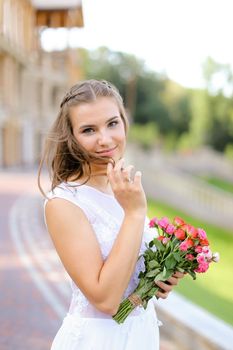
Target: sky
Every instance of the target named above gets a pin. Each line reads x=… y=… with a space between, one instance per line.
x=172 y=36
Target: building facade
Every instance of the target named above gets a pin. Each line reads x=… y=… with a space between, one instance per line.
x=32 y=81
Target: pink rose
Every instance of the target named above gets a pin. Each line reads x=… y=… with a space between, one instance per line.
x=184 y=246
x=198 y=249
x=207 y=252
x=153 y=222
x=189 y=257
x=203 y=267
x=201 y=234
x=201 y=258
x=163 y=222
x=170 y=229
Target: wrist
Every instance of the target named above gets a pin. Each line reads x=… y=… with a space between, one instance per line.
x=136 y=214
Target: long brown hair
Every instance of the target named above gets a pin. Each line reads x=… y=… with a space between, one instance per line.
x=64 y=156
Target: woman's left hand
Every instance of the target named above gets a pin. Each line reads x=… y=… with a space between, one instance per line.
x=167 y=286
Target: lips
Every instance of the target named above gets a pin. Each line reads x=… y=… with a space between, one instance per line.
x=107 y=151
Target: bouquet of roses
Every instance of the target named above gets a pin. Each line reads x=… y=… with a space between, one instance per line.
x=177 y=247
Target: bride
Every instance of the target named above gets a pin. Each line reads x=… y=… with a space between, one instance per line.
x=96 y=216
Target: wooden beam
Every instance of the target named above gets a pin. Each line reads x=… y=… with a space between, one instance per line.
x=59 y=18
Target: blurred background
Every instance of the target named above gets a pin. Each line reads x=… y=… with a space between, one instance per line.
x=172 y=62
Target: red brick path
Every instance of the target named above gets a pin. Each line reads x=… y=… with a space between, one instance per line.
x=27 y=321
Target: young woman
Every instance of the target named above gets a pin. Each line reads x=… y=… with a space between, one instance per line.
x=96 y=216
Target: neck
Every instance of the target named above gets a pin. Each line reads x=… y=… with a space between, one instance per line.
x=98 y=179
x=101 y=183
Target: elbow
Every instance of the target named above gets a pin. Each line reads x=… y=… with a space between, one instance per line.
x=107 y=308
x=111 y=311
x=106 y=303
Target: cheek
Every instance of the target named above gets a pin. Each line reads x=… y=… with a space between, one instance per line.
x=86 y=142
x=122 y=137
x=120 y=134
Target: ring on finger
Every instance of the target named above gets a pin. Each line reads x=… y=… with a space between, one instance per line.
x=127 y=179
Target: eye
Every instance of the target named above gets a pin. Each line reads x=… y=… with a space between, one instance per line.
x=88 y=131
x=114 y=123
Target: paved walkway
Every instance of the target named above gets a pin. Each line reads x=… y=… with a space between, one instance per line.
x=35 y=291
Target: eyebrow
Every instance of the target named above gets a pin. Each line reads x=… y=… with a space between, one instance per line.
x=93 y=125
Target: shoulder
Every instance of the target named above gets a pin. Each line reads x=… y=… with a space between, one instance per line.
x=65 y=197
x=74 y=194
x=61 y=209
x=64 y=218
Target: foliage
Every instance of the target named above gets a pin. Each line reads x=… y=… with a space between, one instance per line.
x=229 y=151
x=185 y=118
x=146 y=135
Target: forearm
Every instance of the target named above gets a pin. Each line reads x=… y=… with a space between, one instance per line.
x=120 y=264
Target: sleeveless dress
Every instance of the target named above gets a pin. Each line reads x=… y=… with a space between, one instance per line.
x=85 y=327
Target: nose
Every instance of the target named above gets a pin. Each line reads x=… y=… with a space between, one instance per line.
x=104 y=138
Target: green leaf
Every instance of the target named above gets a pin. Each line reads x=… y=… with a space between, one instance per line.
x=152 y=292
x=164 y=270
x=192 y=274
x=141 y=283
x=159 y=277
x=149 y=254
x=152 y=273
x=168 y=274
x=158 y=244
x=141 y=274
x=179 y=269
x=153 y=263
x=144 y=289
x=151 y=244
x=170 y=262
x=177 y=256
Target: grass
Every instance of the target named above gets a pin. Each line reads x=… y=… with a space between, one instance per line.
x=222 y=184
x=212 y=290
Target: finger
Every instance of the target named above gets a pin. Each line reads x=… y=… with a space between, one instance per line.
x=137 y=178
x=165 y=287
x=126 y=173
x=109 y=168
x=178 y=274
x=119 y=164
x=173 y=281
x=161 y=295
x=110 y=174
x=117 y=170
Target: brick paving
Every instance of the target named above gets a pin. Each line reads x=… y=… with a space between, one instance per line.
x=34 y=288
x=27 y=321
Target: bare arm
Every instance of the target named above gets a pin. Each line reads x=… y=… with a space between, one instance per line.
x=103 y=283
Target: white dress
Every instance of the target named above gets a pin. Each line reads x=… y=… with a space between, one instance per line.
x=85 y=327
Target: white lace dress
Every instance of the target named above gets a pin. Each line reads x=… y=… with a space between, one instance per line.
x=84 y=327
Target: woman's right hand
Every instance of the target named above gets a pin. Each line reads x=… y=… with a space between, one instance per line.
x=127 y=189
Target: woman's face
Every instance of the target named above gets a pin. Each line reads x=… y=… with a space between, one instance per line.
x=99 y=128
